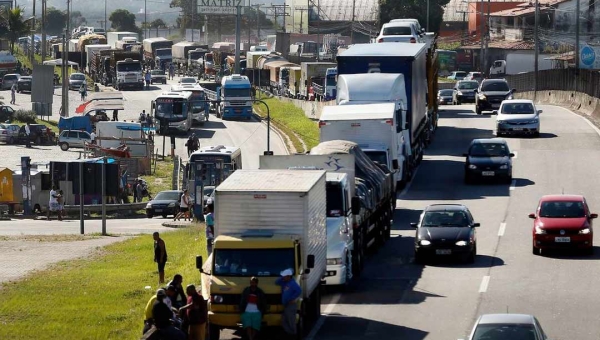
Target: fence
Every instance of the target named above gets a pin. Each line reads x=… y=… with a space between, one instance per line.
x=558 y=80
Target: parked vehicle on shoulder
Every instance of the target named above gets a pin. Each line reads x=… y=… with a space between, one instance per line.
x=8 y=80
x=491 y=93
x=39 y=134
x=9 y=133
x=24 y=84
x=165 y=203
x=73 y=139
x=507 y=327
x=445 y=230
x=518 y=116
x=7 y=113
x=488 y=159
x=563 y=221
x=464 y=91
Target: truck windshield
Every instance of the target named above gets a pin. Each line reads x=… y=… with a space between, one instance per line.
x=237 y=92
x=129 y=67
x=162 y=53
x=208 y=57
x=252 y=262
x=335 y=200
x=331 y=80
x=377 y=156
x=171 y=108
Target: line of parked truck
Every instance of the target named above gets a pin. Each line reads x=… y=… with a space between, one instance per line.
x=319 y=214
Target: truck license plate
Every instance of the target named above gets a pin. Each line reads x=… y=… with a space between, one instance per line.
x=562 y=239
x=443 y=251
x=487 y=173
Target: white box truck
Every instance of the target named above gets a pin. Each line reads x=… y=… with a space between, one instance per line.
x=266 y=221
x=113 y=37
x=374 y=127
x=89 y=52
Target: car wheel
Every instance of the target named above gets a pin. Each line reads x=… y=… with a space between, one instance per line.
x=64 y=146
x=508 y=180
x=536 y=134
x=149 y=215
x=472 y=256
x=164 y=215
x=478 y=110
x=536 y=251
x=589 y=251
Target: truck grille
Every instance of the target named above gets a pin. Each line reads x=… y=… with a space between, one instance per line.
x=234 y=299
x=238 y=103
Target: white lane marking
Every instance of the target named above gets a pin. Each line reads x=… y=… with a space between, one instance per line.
x=414 y=176
x=334 y=300
x=502 y=229
x=516 y=154
x=513 y=184
x=484 y=284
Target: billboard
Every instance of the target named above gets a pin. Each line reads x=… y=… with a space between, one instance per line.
x=589 y=57
x=219 y=6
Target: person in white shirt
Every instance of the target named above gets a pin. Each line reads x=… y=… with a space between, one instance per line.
x=93 y=137
x=53 y=205
x=184 y=207
x=28 y=134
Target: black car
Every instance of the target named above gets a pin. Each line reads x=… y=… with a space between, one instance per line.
x=464 y=92
x=488 y=158
x=38 y=134
x=491 y=93
x=445 y=230
x=444 y=97
x=24 y=84
x=165 y=203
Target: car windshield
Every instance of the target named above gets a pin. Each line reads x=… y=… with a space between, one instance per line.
x=488 y=150
x=505 y=332
x=237 y=92
x=495 y=86
x=397 y=30
x=445 y=92
x=335 y=203
x=460 y=74
x=129 y=67
x=562 y=209
x=77 y=77
x=10 y=77
x=188 y=80
x=167 y=196
x=468 y=85
x=208 y=191
x=252 y=262
x=517 y=108
x=445 y=219
x=476 y=75
x=377 y=156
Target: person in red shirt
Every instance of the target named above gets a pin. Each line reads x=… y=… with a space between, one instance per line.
x=253 y=306
x=197 y=314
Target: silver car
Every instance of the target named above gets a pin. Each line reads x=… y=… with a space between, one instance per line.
x=75 y=81
x=73 y=139
x=507 y=327
x=9 y=133
x=9 y=79
x=518 y=116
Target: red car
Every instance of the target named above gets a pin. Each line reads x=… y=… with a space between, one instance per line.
x=563 y=221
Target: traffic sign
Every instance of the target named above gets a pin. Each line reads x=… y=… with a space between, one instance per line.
x=219 y=6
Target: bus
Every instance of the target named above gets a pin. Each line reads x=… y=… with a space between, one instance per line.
x=200 y=104
x=209 y=167
x=172 y=111
x=446 y=62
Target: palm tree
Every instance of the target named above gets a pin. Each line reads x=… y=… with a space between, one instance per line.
x=16 y=26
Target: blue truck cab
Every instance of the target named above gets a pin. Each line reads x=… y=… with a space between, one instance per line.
x=236 y=97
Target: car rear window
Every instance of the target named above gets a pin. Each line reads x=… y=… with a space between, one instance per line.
x=445 y=92
x=562 y=209
x=397 y=30
x=460 y=74
x=10 y=77
x=505 y=331
x=468 y=85
x=495 y=86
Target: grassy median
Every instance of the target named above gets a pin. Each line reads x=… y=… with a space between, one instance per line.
x=99 y=297
x=292 y=121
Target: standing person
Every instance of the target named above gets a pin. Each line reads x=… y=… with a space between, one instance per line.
x=253 y=306
x=139 y=191
x=61 y=202
x=93 y=137
x=197 y=314
x=190 y=145
x=53 y=205
x=13 y=93
x=116 y=115
x=184 y=207
x=171 y=71
x=28 y=135
x=290 y=292
x=160 y=256
x=148 y=80
x=180 y=297
x=209 y=219
x=83 y=91
x=196 y=142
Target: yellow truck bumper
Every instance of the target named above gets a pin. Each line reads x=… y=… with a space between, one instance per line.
x=232 y=320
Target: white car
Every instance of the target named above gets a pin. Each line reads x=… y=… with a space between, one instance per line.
x=187 y=80
x=399 y=32
x=414 y=21
x=518 y=116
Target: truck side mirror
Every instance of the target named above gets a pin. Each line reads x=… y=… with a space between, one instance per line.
x=310 y=261
x=355 y=201
x=395 y=164
x=153 y=104
x=199 y=262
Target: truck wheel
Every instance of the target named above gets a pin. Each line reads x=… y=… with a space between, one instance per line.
x=349 y=266
x=214 y=332
x=358 y=255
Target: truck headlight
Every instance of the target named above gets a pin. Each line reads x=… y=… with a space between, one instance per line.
x=333 y=262
x=216 y=299
x=462 y=243
x=425 y=242
x=539 y=231
x=472 y=166
x=171 y=205
x=585 y=231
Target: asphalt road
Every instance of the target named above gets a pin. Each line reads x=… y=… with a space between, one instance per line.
x=397 y=299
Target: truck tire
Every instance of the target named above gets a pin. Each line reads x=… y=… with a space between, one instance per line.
x=214 y=332
x=358 y=255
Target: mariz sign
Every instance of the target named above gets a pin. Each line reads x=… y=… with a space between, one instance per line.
x=219 y=6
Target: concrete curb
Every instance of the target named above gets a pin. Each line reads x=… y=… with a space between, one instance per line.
x=177 y=224
x=580 y=103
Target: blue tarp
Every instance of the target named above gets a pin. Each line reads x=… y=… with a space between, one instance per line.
x=76 y=123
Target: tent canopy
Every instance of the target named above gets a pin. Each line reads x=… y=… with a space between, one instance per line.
x=105 y=105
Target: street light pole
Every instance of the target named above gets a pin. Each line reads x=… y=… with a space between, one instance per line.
x=105 y=22
x=427 y=16
x=481 y=33
x=268 y=124
x=577 y=48
x=145 y=19
x=32 y=45
x=536 y=40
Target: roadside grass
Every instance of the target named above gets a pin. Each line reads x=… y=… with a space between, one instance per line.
x=161 y=176
x=99 y=297
x=292 y=121
x=445 y=80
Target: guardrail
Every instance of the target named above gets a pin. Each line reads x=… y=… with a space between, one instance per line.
x=109 y=207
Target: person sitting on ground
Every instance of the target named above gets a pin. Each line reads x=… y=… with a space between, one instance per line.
x=180 y=297
x=162 y=316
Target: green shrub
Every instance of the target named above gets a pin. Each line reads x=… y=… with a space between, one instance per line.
x=25 y=116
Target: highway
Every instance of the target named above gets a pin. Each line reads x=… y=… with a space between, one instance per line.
x=397 y=299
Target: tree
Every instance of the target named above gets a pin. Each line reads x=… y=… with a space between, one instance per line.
x=392 y=9
x=123 y=20
x=15 y=25
x=158 y=23
x=56 y=20
x=77 y=19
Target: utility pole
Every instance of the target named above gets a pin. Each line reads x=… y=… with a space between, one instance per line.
x=43 y=31
x=105 y=22
x=318 y=29
x=537 y=48
x=481 y=51
x=302 y=10
x=352 y=24
x=238 y=34
x=257 y=24
x=577 y=48
x=194 y=7
x=145 y=19
x=427 y=16
x=487 y=40
x=33 y=36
